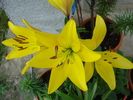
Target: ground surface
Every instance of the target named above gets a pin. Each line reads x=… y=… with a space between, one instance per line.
x=13 y=68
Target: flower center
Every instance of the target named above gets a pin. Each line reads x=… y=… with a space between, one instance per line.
x=65 y=53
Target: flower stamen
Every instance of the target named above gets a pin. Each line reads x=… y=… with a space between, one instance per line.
x=22 y=48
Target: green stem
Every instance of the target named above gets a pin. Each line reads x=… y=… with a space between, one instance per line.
x=92 y=15
x=105 y=96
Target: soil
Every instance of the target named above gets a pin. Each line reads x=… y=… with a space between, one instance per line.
x=111 y=39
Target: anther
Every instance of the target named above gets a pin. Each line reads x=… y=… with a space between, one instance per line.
x=22 y=48
x=23 y=36
x=105 y=59
x=54 y=57
x=109 y=62
x=68 y=61
x=59 y=64
x=115 y=58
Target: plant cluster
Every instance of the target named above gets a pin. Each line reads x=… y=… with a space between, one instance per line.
x=3 y=31
x=4 y=85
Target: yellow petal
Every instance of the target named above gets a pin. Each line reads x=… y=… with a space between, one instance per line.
x=89 y=43
x=105 y=70
x=10 y=42
x=99 y=31
x=25 y=69
x=46 y=39
x=68 y=5
x=89 y=70
x=68 y=38
x=27 y=64
x=57 y=4
x=29 y=26
x=21 y=52
x=75 y=72
x=117 y=60
x=57 y=77
x=63 y=5
x=46 y=59
x=17 y=30
x=88 y=55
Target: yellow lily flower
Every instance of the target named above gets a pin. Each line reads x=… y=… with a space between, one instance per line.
x=24 y=43
x=104 y=66
x=62 y=5
x=64 y=55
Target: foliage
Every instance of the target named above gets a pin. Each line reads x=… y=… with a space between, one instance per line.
x=4 y=85
x=30 y=86
x=3 y=30
x=124 y=22
x=104 y=7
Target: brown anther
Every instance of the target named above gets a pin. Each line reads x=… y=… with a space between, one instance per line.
x=68 y=61
x=54 y=57
x=23 y=42
x=59 y=64
x=105 y=53
x=23 y=36
x=19 y=38
x=115 y=58
x=109 y=62
x=63 y=51
x=22 y=48
x=105 y=59
x=56 y=50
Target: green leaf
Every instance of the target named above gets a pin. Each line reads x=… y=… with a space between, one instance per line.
x=66 y=20
x=105 y=96
x=90 y=93
x=120 y=52
x=63 y=95
x=59 y=30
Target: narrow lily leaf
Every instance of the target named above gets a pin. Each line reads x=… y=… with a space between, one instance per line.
x=63 y=95
x=59 y=75
x=89 y=70
x=99 y=31
x=69 y=37
x=88 y=55
x=105 y=96
x=75 y=72
x=89 y=95
x=105 y=70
